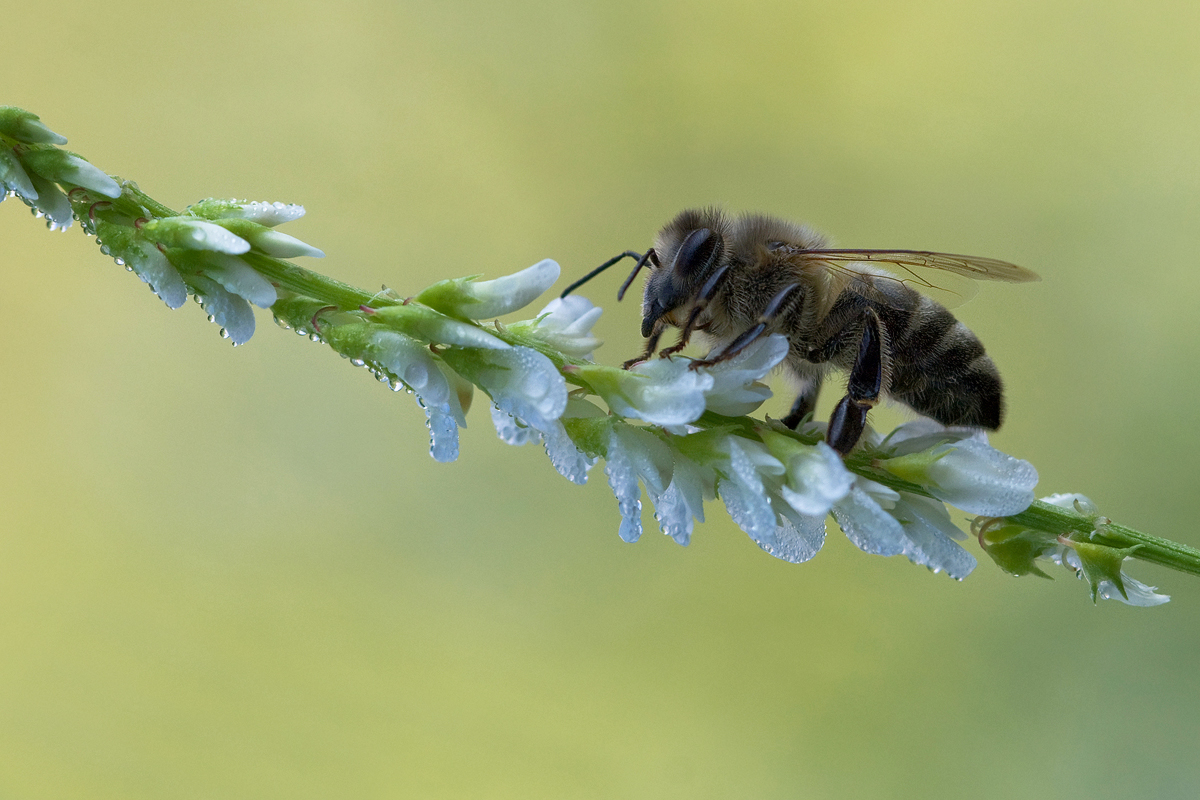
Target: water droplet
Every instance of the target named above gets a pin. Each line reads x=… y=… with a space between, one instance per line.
x=105 y=250
x=281 y=323
x=212 y=318
x=224 y=333
x=301 y=332
x=316 y=337
x=128 y=268
x=358 y=362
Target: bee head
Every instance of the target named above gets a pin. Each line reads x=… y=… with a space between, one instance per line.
x=686 y=250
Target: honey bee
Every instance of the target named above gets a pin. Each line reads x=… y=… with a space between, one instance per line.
x=735 y=279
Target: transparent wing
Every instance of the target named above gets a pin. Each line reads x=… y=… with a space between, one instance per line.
x=945 y=277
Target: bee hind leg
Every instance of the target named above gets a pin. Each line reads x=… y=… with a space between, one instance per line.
x=805 y=405
x=849 y=418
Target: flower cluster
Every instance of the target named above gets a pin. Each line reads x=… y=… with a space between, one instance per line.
x=679 y=433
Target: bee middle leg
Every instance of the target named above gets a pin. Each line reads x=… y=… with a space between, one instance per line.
x=780 y=304
x=849 y=418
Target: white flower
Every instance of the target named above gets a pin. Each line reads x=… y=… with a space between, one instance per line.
x=567 y=459
x=521 y=382
x=566 y=324
x=153 y=267
x=240 y=278
x=190 y=233
x=660 y=392
x=635 y=455
x=25 y=126
x=280 y=245
x=61 y=167
x=1136 y=592
x=226 y=309
x=13 y=177
x=415 y=366
x=736 y=391
x=865 y=522
x=931 y=534
x=965 y=471
x=467 y=298
x=430 y=326
x=816 y=479
x=678 y=507
x=263 y=213
x=51 y=201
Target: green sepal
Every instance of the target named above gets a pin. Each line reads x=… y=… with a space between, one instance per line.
x=450 y=296
x=914 y=467
x=25 y=126
x=428 y=325
x=1016 y=549
x=1102 y=563
x=590 y=434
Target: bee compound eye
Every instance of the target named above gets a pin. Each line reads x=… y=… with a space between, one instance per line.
x=697 y=252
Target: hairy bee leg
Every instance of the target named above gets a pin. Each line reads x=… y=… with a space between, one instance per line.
x=849 y=418
x=779 y=303
x=707 y=292
x=651 y=343
x=806 y=403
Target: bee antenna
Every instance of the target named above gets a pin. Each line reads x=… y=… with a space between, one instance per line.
x=640 y=258
x=641 y=262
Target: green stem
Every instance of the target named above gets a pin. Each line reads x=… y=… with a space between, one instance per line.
x=1046 y=517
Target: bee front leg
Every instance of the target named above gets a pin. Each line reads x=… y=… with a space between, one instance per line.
x=651 y=343
x=707 y=292
x=862 y=390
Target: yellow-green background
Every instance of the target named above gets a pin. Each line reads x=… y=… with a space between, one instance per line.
x=237 y=573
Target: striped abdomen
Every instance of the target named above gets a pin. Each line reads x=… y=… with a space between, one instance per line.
x=939 y=367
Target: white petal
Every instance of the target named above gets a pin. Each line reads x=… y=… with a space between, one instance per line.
x=661 y=392
x=797 y=537
x=271 y=214
x=673 y=515
x=1139 y=594
x=240 y=278
x=280 y=245
x=744 y=496
x=502 y=295
x=443 y=432
x=566 y=323
x=931 y=536
x=568 y=459
x=13 y=176
x=509 y=430
x=79 y=172
x=413 y=364
x=52 y=202
x=981 y=480
x=816 y=479
x=871 y=528
x=152 y=266
x=623 y=479
x=524 y=383
x=228 y=310
x=735 y=391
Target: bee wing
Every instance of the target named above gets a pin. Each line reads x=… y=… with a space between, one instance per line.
x=945 y=277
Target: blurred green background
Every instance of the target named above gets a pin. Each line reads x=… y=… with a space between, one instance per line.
x=238 y=574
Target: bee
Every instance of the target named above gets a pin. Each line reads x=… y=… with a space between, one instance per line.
x=733 y=280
